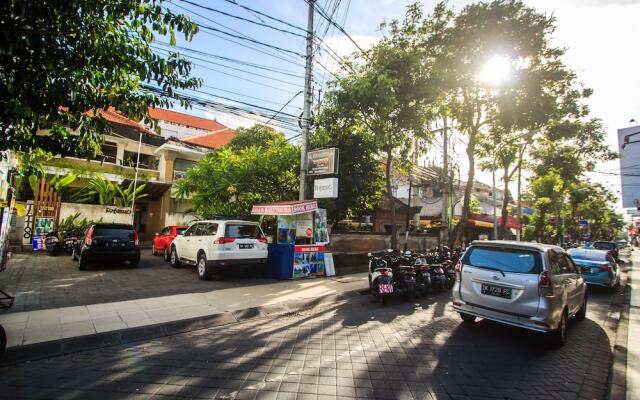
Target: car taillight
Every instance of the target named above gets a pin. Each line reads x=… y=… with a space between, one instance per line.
x=262 y=239
x=605 y=268
x=89 y=238
x=135 y=238
x=384 y=273
x=224 y=240
x=458 y=267
x=544 y=280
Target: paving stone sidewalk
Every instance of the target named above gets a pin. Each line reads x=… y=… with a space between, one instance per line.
x=351 y=349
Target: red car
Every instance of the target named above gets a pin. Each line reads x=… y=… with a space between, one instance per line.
x=162 y=241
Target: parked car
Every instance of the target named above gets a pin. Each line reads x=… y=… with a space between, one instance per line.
x=528 y=285
x=162 y=241
x=621 y=243
x=611 y=247
x=216 y=244
x=598 y=266
x=107 y=242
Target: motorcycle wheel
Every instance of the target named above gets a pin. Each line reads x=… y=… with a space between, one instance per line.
x=383 y=300
x=424 y=291
x=449 y=284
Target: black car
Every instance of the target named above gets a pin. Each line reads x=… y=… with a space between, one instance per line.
x=103 y=242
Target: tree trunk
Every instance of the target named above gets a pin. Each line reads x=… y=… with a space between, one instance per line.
x=464 y=220
x=502 y=231
x=392 y=203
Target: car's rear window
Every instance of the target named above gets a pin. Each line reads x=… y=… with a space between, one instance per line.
x=604 y=245
x=113 y=232
x=180 y=231
x=240 y=231
x=504 y=259
x=578 y=254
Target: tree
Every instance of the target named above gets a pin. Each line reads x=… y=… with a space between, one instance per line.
x=491 y=114
x=229 y=182
x=62 y=59
x=360 y=174
x=391 y=92
x=257 y=135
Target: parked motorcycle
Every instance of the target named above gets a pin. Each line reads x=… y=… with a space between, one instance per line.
x=380 y=278
x=55 y=243
x=423 y=276
x=52 y=243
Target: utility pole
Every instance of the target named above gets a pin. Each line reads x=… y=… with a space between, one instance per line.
x=495 y=212
x=406 y=231
x=308 y=99
x=519 y=231
x=445 y=187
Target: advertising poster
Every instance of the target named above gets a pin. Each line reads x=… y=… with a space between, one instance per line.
x=320 y=227
x=286 y=229
x=43 y=226
x=308 y=261
x=304 y=225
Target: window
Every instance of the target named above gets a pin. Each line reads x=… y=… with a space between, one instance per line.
x=242 y=231
x=201 y=230
x=180 y=231
x=166 y=231
x=211 y=229
x=191 y=230
x=180 y=168
x=109 y=152
x=554 y=265
x=147 y=161
x=504 y=259
x=570 y=266
x=604 y=245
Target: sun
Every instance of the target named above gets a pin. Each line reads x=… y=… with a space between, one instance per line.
x=496 y=70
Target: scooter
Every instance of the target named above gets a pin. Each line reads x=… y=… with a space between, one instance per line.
x=380 y=278
x=404 y=281
x=423 y=276
x=52 y=243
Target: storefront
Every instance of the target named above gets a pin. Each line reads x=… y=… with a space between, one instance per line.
x=301 y=234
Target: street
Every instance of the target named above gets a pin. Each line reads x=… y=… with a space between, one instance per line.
x=354 y=349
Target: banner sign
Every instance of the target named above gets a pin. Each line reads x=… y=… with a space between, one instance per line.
x=308 y=260
x=292 y=208
x=326 y=188
x=322 y=162
x=304 y=225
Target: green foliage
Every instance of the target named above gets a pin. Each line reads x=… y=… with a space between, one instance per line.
x=229 y=181
x=256 y=135
x=60 y=59
x=110 y=194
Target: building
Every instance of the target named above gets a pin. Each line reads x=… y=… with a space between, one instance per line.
x=165 y=156
x=630 y=165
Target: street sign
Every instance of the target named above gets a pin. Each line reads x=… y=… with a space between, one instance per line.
x=322 y=162
x=326 y=188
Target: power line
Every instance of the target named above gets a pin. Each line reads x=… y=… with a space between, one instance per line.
x=324 y=15
x=286 y=104
x=243 y=19
x=266 y=15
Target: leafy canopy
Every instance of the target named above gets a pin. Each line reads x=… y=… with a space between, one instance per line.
x=230 y=181
x=60 y=59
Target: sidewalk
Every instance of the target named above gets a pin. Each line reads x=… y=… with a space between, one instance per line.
x=633 y=338
x=40 y=326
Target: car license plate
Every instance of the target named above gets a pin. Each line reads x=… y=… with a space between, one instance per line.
x=385 y=288
x=595 y=270
x=497 y=291
x=245 y=246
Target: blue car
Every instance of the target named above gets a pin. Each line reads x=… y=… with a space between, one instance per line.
x=598 y=267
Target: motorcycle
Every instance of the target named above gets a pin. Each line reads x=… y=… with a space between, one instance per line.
x=52 y=243
x=380 y=278
x=70 y=239
x=423 y=276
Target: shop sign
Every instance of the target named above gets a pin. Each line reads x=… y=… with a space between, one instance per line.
x=308 y=260
x=117 y=210
x=284 y=209
x=304 y=225
x=326 y=188
x=322 y=162
x=28 y=223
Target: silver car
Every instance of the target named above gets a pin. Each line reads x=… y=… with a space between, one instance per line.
x=528 y=285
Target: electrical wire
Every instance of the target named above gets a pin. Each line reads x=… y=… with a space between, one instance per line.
x=266 y=15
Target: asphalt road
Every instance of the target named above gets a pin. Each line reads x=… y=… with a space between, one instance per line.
x=355 y=349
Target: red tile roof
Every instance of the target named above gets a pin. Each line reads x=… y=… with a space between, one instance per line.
x=186 y=119
x=114 y=116
x=211 y=139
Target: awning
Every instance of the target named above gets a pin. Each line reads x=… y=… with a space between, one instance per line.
x=285 y=207
x=152 y=189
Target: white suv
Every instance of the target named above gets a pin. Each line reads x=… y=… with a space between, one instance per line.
x=214 y=244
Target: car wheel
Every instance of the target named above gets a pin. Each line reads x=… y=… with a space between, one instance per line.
x=560 y=335
x=82 y=263
x=166 y=255
x=134 y=263
x=153 y=249
x=74 y=256
x=173 y=258
x=582 y=312
x=204 y=272
x=468 y=318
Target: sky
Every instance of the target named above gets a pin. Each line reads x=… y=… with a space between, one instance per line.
x=600 y=37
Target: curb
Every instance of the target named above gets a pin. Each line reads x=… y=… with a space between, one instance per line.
x=617 y=388
x=76 y=344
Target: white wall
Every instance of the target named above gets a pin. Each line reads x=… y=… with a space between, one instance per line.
x=94 y=212
x=177 y=218
x=168 y=130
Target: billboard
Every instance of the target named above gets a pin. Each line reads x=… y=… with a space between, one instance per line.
x=322 y=162
x=630 y=167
